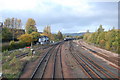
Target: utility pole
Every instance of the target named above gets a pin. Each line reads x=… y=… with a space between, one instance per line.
x=13 y=33
x=13 y=27
x=31 y=44
x=1 y=24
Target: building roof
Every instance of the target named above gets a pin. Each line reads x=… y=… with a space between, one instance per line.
x=43 y=37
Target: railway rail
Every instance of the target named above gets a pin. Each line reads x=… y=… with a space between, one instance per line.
x=48 y=64
x=113 y=60
x=92 y=69
x=26 y=54
x=22 y=55
x=88 y=71
x=58 y=64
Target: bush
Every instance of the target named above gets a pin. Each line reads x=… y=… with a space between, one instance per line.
x=14 y=45
x=5 y=47
x=5 y=52
x=12 y=42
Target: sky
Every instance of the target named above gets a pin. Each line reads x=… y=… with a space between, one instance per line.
x=68 y=16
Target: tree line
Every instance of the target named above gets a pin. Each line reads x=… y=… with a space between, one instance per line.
x=11 y=29
x=31 y=30
x=13 y=23
x=109 y=40
x=11 y=32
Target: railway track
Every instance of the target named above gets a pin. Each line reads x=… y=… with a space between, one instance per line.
x=27 y=53
x=90 y=67
x=47 y=68
x=58 y=70
x=22 y=55
x=114 y=60
x=88 y=71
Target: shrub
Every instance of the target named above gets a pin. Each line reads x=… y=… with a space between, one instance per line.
x=5 y=47
x=14 y=45
x=12 y=42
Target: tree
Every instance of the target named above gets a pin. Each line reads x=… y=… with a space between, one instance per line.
x=30 y=26
x=12 y=23
x=47 y=30
x=27 y=38
x=107 y=45
x=35 y=36
x=102 y=43
x=100 y=29
x=6 y=34
x=16 y=23
x=19 y=23
x=105 y=39
x=7 y=22
x=60 y=36
x=87 y=31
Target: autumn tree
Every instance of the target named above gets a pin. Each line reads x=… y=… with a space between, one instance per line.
x=27 y=38
x=47 y=32
x=7 y=22
x=105 y=39
x=59 y=35
x=100 y=29
x=19 y=23
x=30 y=26
x=35 y=36
x=13 y=23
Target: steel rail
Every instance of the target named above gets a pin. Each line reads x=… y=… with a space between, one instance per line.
x=53 y=75
x=107 y=58
x=55 y=63
x=36 y=69
x=61 y=63
x=96 y=64
x=85 y=67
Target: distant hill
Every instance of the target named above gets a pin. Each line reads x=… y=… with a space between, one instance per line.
x=73 y=34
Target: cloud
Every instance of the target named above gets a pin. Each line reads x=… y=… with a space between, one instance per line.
x=17 y=4
x=64 y=15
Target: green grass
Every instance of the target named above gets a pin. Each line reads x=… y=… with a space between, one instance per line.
x=12 y=67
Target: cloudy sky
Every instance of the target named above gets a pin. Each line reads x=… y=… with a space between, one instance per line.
x=68 y=16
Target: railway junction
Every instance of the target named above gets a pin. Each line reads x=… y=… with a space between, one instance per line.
x=73 y=60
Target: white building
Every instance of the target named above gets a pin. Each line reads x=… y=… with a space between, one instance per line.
x=43 y=40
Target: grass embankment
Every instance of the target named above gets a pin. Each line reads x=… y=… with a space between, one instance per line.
x=12 y=67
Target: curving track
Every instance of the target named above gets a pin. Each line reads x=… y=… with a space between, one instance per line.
x=51 y=65
x=91 y=68
x=112 y=59
x=48 y=66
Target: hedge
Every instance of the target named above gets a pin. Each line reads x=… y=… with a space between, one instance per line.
x=14 y=45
